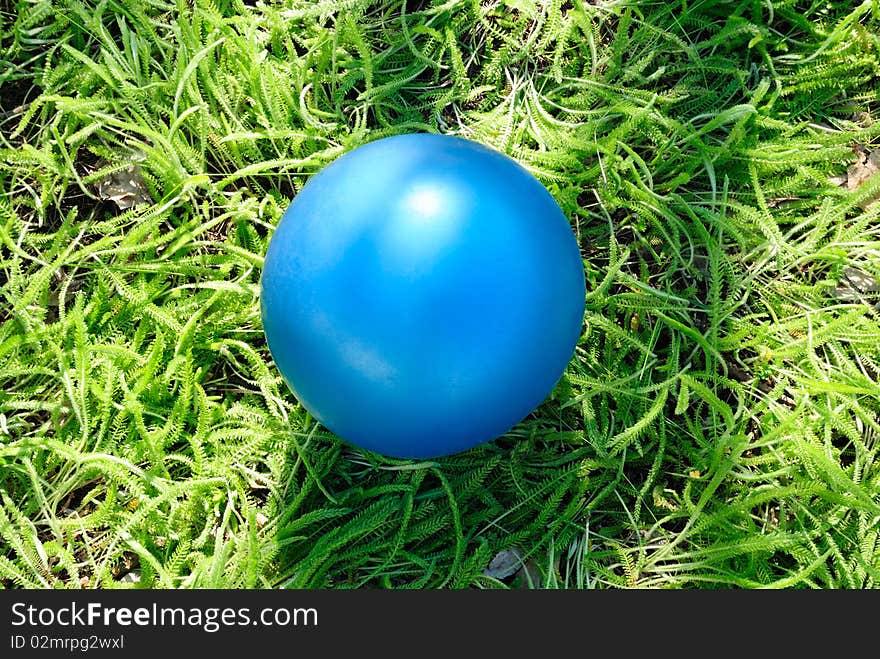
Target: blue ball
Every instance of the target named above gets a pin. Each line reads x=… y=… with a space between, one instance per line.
x=421 y=295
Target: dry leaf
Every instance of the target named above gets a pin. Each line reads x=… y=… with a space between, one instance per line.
x=506 y=563
x=863 y=119
x=855 y=284
x=866 y=165
x=126 y=188
x=131 y=577
x=261 y=520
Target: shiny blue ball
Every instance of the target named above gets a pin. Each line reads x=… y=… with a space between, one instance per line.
x=422 y=294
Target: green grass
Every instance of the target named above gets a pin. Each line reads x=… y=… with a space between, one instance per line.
x=717 y=426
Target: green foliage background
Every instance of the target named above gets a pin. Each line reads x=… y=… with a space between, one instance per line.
x=717 y=426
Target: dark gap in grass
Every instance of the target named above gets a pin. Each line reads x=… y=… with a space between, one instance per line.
x=34 y=419
x=672 y=526
x=847 y=457
x=228 y=8
x=846 y=448
x=124 y=564
x=258 y=496
x=782 y=563
x=88 y=209
x=181 y=471
x=282 y=188
x=14 y=94
x=218 y=370
x=418 y=6
x=8 y=7
x=727 y=395
x=56 y=285
x=299 y=47
x=74 y=499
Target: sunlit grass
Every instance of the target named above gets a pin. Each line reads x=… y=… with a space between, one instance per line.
x=717 y=426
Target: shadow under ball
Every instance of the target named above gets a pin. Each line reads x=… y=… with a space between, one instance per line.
x=422 y=294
